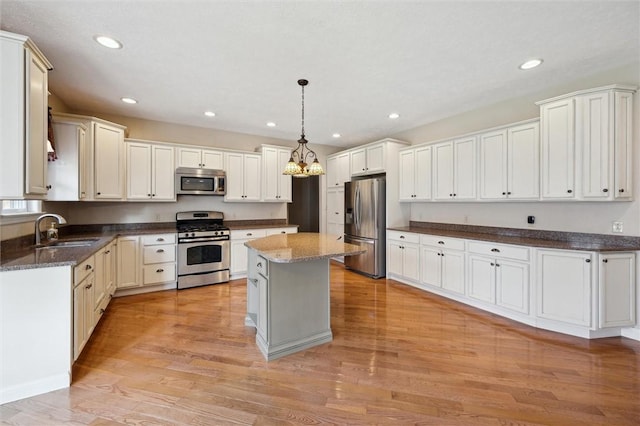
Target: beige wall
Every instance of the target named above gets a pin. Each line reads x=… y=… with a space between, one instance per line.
x=560 y=216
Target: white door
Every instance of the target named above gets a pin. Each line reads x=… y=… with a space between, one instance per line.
x=512 y=285
x=597 y=148
x=493 y=165
x=138 y=171
x=411 y=261
x=482 y=278
x=212 y=160
x=453 y=271
x=344 y=168
x=36 y=137
x=422 y=174
x=431 y=263
x=523 y=162
x=564 y=286
x=239 y=257
x=128 y=262
x=558 y=150
x=335 y=206
x=375 y=159
x=271 y=179
x=252 y=177
x=464 y=180
x=407 y=189
x=617 y=290
x=108 y=162
x=359 y=162
x=189 y=157
x=235 y=176
x=163 y=173
x=443 y=171
x=394 y=250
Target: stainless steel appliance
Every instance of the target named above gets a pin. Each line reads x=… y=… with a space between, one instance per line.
x=203 y=249
x=365 y=225
x=192 y=181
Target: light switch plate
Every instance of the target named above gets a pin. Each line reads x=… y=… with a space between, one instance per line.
x=617 y=227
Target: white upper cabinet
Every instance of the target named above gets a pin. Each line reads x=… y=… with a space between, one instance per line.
x=338 y=169
x=509 y=163
x=586 y=144
x=66 y=175
x=243 y=176
x=200 y=158
x=109 y=161
x=415 y=174
x=275 y=185
x=368 y=160
x=150 y=175
x=454 y=170
x=23 y=112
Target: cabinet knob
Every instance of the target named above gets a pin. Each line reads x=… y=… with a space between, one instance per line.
x=159 y=270
x=605 y=190
x=49 y=187
x=569 y=191
x=283 y=232
x=450 y=195
x=493 y=264
x=604 y=260
x=337 y=183
x=160 y=251
x=89 y=286
x=148 y=195
x=497 y=264
x=620 y=190
x=153 y=195
x=508 y=192
x=454 y=194
x=259 y=264
x=504 y=193
x=107 y=251
x=588 y=260
x=98 y=193
x=439 y=254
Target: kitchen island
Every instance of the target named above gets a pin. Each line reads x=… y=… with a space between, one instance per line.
x=288 y=290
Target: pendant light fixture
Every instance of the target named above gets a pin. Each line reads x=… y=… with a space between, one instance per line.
x=297 y=165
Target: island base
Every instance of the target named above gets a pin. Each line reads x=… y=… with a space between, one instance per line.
x=272 y=352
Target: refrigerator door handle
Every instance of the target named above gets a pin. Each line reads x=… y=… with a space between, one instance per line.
x=356 y=207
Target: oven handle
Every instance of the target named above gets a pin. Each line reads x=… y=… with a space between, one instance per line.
x=201 y=240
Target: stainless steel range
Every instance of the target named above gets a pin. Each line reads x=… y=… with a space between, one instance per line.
x=203 y=249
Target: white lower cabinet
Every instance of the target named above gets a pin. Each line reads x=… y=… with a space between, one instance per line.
x=146 y=262
x=581 y=293
x=128 y=269
x=239 y=253
x=83 y=304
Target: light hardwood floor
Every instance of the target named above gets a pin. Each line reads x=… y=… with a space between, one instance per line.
x=399 y=356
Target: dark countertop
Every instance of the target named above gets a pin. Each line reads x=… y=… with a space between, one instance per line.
x=526 y=237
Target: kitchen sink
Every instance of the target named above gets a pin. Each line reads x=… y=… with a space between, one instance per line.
x=70 y=243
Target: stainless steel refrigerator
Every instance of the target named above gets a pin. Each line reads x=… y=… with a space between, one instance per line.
x=365 y=225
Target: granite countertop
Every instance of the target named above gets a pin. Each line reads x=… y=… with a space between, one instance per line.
x=526 y=237
x=301 y=247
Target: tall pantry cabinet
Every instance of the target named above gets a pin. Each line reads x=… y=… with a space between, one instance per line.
x=23 y=112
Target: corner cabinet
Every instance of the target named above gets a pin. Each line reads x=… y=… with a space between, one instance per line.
x=23 y=112
x=150 y=172
x=587 y=145
x=276 y=187
x=243 y=176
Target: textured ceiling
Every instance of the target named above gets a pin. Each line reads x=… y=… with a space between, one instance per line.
x=426 y=60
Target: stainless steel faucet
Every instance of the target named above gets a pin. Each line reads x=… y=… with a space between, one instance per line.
x=61 y=220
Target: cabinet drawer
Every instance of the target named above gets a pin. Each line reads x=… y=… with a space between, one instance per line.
x=160 y=273
x=81 y=271
x=262 y=266
x=150 y=240
x=241 y=234
x=499 y=250
x=285 y=230
x=406 y=237
x=442 y=242
x=159 y=254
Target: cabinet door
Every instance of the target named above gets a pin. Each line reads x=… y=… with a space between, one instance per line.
x=212 y=160
x=407 y=190
x=344 y=168
x=36 y=126
x=564 y=286
x=453 y=271
x=262 y=320
x=285 y=180
x=79 y=327
x=394 y=266
x=558 y=145
x=523 y=162
x=239 y=257
x=482 y=278
x=493 y=165
x=623 y=141
x=411 y=261
x=443 y=171
x=331 y=172
x=162 y=173
x=431 y=263
x=335 y=206
x=597 y=149
x=359 y=162
x=512 y=285
x=422 y=174
x=189 y=157
x=108 y=162
x=271 y=179
x=375 y=159
x=235 y=176
x=617 y=290
x=110 y=270
x=465 y=169
x=138 y=171
x=100 y=286
x=252 y=177
x=128 y=262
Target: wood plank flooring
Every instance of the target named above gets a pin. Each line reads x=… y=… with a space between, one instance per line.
x=399 y=356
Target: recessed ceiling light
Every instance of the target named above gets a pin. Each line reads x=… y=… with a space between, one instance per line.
x=129 y=100
x=210 y=113
x=109 y=42
x=271 y=124
x=336 y=135
x=531 y=63
x=394 y=115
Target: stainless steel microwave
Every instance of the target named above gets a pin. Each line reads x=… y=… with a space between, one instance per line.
x=193 y=181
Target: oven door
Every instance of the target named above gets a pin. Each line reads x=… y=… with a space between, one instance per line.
x=203 y=256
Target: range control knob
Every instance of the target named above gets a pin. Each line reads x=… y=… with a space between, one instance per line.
x=215 y=232
x=193 y=234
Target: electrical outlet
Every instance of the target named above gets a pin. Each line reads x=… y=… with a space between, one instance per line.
x=617 y=227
